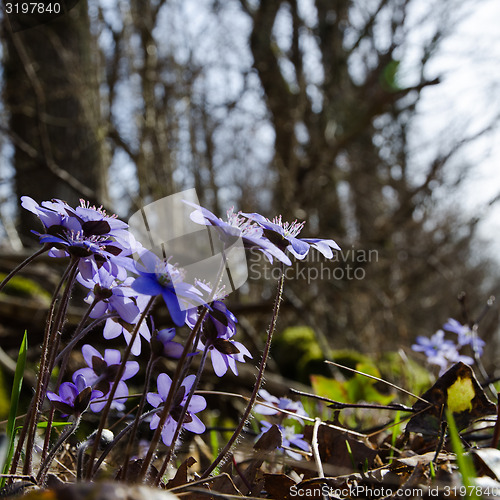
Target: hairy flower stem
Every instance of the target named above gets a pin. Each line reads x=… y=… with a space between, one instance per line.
x=173 y=390
x=23 y=264
x=70 y=429
x=64 y=359
x=176 y=380
x=258 y=382
x=62 y=371
x=142 y=402
x=182 y=416
x=36 y=403
x=54 y=342
x=79 y=336
x=91 y=470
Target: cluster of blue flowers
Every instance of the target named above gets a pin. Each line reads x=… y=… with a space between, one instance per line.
x=444 y=352
x=284 y=411
x=122 y=277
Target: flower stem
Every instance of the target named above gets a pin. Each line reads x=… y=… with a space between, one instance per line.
x=23 y=264
x=79 y=336
x=180 y=369
x=29 y=427
x=62 y=370
x=173 y=390
x=70 y=429
x=91 y=470
x=181 y=416
x=258 y=382
x=121 y=435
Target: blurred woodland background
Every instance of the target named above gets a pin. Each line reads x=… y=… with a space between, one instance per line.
x=305 y=108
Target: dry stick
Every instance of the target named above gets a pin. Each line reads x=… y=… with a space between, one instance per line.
x=315 y=448
x=182 y=415
x=45 y=357
x=378 y=380
x=104 y=415
x=294 y=414
x=338 y=405
x=258 y=382
x=23 y=264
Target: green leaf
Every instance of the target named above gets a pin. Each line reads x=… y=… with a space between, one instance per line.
x=329 y=388
x=357 y=388
x=464 y=462
x=43 y=425
x=14 y=402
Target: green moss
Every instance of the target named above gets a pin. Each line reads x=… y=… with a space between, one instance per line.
x=298 y=354
x=405 y=372
x=22 y=287
x=349 y=358
x=4 y=398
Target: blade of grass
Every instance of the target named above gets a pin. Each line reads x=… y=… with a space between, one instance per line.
x=464 y=462
x=396 y=430
x=14 y=402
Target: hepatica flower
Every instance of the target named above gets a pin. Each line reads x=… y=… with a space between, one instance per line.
x=440 y=351
x=101 y=373
x=73 y=398
x=116 y=326
x=82 y=232
x=251 y=234
x=164 y=345
x=159 y=277
x=116 y=296
x=111 y=295
x=289 y=439
x=275 y=405
x=218 y=328
x=191 y=422
x=284 y=236
x=465 y=335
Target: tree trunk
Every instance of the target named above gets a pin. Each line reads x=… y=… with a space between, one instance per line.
x=51 y=95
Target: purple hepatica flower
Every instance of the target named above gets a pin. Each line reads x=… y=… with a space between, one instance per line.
x=288 y=439
x=82 y=232
x=116 y=296
x=252 y=235
x=159 y=277
x=284 y=236
x=439 y=351
x=101 y=374
x=73 y=398
x=50 y=213
x=115 y=327
x=217 y=331
x=112 y=295
x=164 y=345
x=465 y=335
x=191 y=422
x=278 y=404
